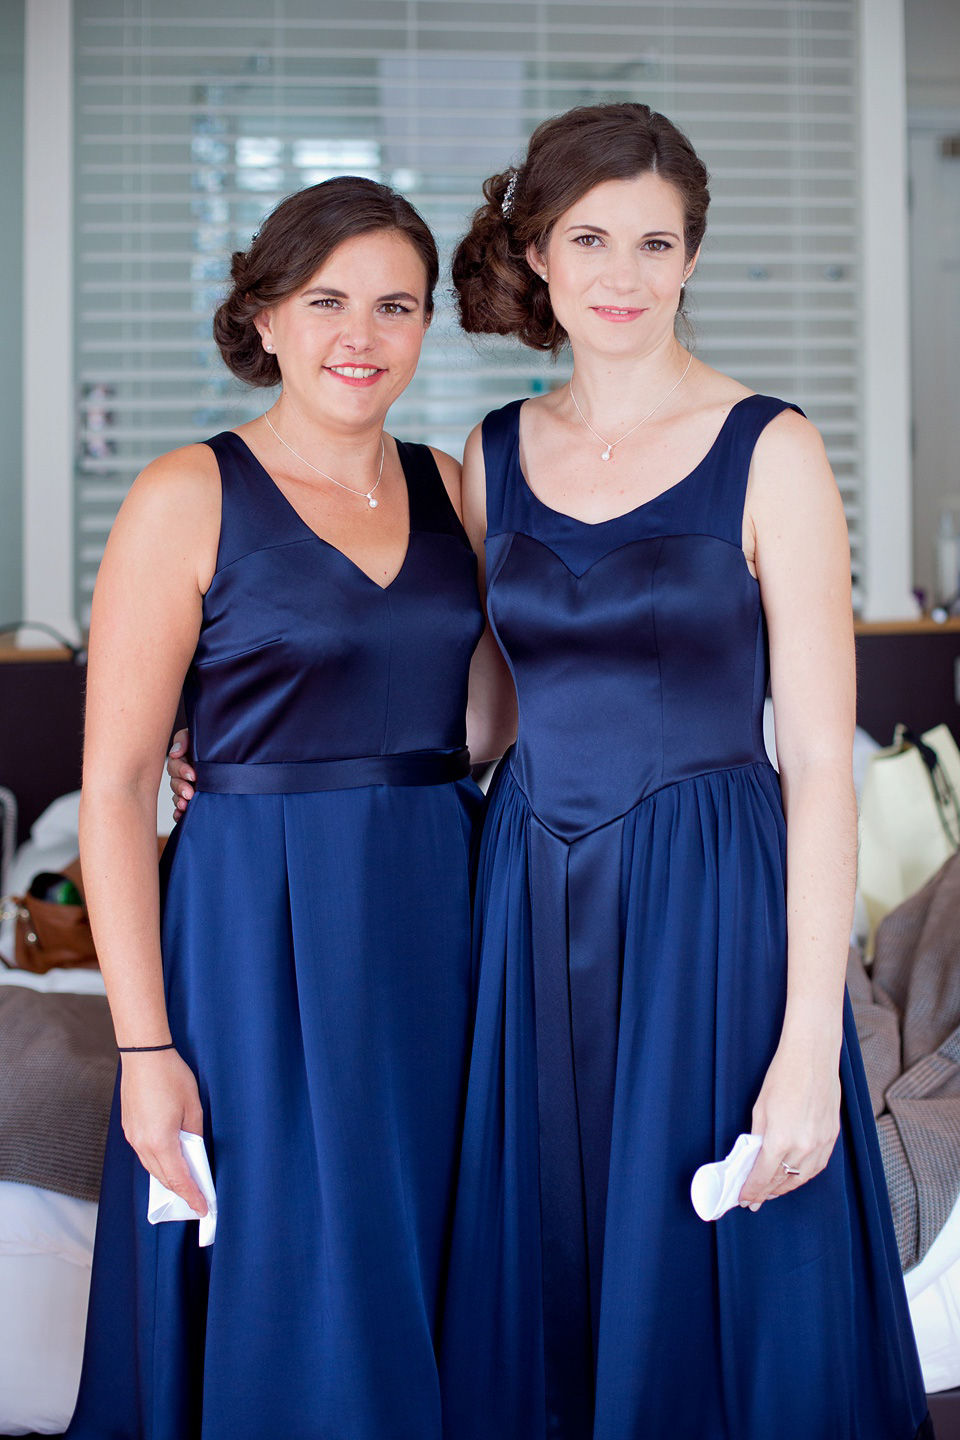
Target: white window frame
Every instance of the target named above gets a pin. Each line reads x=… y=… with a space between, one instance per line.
x=48 y=305
x=49 y=392
x=887 y=482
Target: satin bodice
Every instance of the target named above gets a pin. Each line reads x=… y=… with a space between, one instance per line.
x=302 y=657
x=638 y=645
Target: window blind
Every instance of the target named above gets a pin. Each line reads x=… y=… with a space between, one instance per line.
x=193 y=119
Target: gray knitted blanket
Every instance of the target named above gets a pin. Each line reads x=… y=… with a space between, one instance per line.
x=907 y=1010
x=58 y=1064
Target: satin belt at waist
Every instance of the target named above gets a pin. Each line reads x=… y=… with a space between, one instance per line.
x=301 y=777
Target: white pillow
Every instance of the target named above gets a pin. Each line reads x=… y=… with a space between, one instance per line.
x=59 y=822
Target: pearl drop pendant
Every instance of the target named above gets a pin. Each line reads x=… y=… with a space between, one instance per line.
x=606 y=454
x=372 y=503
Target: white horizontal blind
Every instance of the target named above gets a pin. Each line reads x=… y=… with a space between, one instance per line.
x=195 y=116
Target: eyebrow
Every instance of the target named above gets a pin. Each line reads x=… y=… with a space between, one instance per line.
x=342 y=294
x=599 y=230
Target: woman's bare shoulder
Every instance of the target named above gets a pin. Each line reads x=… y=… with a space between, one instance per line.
x=173 y=507
x=187 y=477
x=711 y=392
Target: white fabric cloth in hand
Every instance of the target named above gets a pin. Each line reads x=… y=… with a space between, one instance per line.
x=715 y=1188
x=162 y=1204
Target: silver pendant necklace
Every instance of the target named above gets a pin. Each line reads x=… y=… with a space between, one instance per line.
x=612 y=444
x=361 y=494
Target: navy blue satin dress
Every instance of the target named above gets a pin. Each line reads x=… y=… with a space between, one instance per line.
x=316 y=949
x=631 y=934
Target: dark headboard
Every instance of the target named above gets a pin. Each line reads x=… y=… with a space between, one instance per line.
x=41 y=729
x=908 y=673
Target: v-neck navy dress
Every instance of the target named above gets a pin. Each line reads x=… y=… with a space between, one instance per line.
x=316 y=950
x=631 y=933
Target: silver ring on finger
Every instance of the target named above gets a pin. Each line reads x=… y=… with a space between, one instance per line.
x=788 y=1169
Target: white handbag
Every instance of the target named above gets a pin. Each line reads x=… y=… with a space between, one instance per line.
x=909 y=818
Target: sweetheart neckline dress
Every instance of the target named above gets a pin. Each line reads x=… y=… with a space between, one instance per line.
x=630 y=943
x=316 y=953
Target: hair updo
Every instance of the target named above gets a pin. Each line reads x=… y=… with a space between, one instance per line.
x=291 y=245
x=498 y=293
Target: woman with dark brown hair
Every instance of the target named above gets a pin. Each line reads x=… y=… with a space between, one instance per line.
x=662 y=923
x=298 y=993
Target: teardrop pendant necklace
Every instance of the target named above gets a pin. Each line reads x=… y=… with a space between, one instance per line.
x=361 y=494
x=612 y=444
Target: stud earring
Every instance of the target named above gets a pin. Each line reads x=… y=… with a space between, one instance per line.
x=269 y=349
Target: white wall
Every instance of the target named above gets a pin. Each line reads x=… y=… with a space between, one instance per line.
x=11 y=263
x=932 y=35
x=885 y=325
x=48 y=300
x=933 y=52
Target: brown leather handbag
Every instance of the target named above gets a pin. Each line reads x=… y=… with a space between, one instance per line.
x=49 y=934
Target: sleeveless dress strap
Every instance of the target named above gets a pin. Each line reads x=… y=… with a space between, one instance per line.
x=730 y=459
x=431 y=508
x=499 y=435
x=253 y=515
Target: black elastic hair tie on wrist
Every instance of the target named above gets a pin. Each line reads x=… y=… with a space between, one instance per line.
x=126 y=1049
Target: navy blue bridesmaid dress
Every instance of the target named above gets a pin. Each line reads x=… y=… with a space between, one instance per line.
x=631 y=924
x=316 y=949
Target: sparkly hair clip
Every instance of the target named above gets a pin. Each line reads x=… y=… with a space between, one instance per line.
x=506 y=204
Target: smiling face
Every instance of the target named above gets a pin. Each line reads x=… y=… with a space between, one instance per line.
x=348 y=341
x=616 y=263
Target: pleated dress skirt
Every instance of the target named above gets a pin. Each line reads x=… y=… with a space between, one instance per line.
x=587 y=1299
x=323 y=1001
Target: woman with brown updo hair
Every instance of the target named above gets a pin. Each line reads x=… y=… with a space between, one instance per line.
x=298 y=991
x=662 y=923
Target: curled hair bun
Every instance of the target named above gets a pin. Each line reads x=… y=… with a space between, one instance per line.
x=238 y=266
x=497 y=291
x=235 y=333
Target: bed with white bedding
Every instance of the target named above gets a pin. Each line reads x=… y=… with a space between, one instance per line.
x=46 y=1239
x=46 y=1242
x=46 y=1246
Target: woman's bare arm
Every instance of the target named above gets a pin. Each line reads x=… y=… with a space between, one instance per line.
x=146 y=618
x=802 y=558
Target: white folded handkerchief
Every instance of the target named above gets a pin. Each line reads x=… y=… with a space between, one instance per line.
x=715 y=1188
x=162 y=1204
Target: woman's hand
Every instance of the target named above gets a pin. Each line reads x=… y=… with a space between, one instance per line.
x=182 y=777
x=159 y=1098
x=798 y=1114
